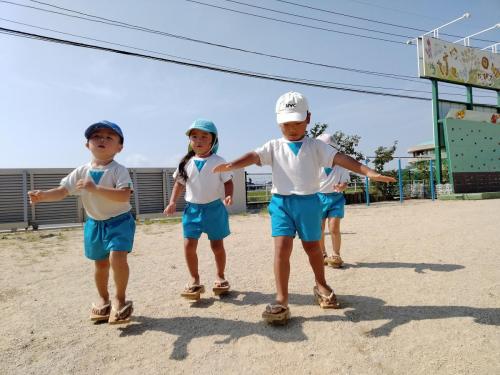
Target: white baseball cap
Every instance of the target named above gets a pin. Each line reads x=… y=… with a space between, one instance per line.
x=291 y=106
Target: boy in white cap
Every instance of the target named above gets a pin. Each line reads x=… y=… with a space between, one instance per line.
x=104 y=187
x=204 y=211
x=333 y=181
x=295 y=207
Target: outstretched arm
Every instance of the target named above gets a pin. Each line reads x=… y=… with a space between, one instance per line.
x=176 y=193
x=353 y=165
x=52 y=195
x=246 y=160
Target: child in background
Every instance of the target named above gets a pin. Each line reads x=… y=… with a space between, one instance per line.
x=333 y=181
x=105 y=187
x=204 y=211
x=295 y=206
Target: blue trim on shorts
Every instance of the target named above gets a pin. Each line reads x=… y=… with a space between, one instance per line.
x=210 y=218
x=332 y=205
x=291 y=214
x=100 y=237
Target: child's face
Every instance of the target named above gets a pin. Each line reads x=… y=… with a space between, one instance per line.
x=294 y=131
x=200 y=141
x=104 y=144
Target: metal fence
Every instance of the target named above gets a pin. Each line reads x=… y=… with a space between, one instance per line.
x=152 y=191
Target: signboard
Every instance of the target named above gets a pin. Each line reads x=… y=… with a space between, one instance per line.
x=445 y=61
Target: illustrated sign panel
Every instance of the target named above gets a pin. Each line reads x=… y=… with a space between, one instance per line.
x=451 y=62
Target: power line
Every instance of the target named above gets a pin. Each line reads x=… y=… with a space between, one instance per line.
x=316 y=19
x=222 y=66
x=125 y=25
x=296 y=23
x=370 y=20
x=116 y=23
x=202 y=66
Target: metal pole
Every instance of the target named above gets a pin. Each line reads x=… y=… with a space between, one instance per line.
x=367 y=185
x=437 y=135
x=400 y=182
x=470 y=102
x=431 y=177
x=246 y=192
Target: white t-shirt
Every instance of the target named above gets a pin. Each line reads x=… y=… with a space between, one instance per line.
x=97 y=207
x=329 y=177
x=203 y=186
x=295 y=165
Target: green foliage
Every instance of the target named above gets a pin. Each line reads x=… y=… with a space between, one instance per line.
x=316 y=130
x=347 y=144
x=384 y=155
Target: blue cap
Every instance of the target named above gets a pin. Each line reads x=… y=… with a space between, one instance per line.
x=207 y=126
x=103 y=125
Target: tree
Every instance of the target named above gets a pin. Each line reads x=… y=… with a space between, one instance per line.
x=316 y=130
x=384 y=155
x=347 y=144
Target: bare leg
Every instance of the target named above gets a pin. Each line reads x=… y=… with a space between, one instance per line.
x=282 y=252
x=220 y=258
x=190 y=245
x=312 y=249
x=334 y=226
x=119 y=264
x=322 y=241
x=101 y=277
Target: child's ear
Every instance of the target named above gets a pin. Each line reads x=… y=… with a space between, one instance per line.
x=87 y=144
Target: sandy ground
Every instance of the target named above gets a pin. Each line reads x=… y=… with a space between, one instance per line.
x=420 y=294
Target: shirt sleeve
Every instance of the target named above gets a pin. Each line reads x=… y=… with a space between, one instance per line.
x=123 y=179
x=69 y=182
x=178 y=178
x=265 y=153
x=325 y=152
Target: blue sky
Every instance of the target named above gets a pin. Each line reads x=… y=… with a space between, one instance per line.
x=50 y=93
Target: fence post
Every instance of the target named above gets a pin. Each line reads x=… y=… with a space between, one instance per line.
x=25 y=197
x=431 y=177
x=246 y=191
x=400 y=178
x=367 y=184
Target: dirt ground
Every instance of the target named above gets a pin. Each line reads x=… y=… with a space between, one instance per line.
x=420 y=294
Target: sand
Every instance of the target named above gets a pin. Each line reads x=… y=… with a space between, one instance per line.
x=420 y=294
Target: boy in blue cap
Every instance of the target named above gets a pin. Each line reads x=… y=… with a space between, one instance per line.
x=295 y=207
x=204 y=211
x=104 y=187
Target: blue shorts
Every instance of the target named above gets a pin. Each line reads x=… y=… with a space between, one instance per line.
x=332 y=204
x=210 y=218
x=114 y=234
x=296 y=213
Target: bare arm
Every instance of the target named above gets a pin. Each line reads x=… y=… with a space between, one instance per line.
x=242 y=162
x=228 y=192
x=176 y=193
x=353 y=165
x=52 y=195
x=113 y=194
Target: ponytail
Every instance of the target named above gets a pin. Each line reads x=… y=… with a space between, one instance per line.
x=182 y=171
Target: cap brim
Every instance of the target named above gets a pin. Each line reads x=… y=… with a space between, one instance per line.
x=282 y=118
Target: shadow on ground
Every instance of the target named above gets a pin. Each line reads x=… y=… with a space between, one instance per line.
x=356 y=309
x=418 y=267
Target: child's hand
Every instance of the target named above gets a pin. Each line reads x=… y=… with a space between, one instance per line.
x=222 y=168
x=170 y=210
x=35 y=196
x=86 y=184
x=339 y=188
x=381 y=178
x=228 y=201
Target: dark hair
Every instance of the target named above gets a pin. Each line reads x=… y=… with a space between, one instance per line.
x=182 y=164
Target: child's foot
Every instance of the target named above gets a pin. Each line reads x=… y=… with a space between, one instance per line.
x=193 y=291
x=121 y=312
x=100 y=311
x=221 y=286
x=276 y=313
x=335 y=261
x=326 y=300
